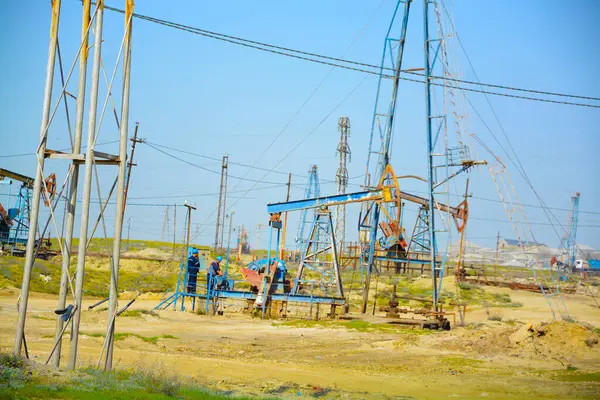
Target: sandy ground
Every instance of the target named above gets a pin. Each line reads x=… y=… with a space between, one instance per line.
x=267 y=358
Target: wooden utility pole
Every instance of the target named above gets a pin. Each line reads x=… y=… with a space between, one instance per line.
x=257 y=236
x=128 y=232
x=287 y=198
x=131 y=164
x=461 y=243
x=174 y=227
x=189 y=224
x=222 y=205
x=240 y=244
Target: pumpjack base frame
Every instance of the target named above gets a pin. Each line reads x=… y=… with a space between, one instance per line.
x=247 y=295
x=234 y=294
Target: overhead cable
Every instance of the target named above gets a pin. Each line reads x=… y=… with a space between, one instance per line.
x=334 y=61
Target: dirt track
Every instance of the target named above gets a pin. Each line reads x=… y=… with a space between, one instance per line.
x=235 y=352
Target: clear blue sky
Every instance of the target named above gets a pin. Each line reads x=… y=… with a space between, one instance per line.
x=214 y=98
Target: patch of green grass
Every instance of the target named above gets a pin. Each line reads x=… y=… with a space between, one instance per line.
x=44 y=317
x=65 y=392
x=93 y=334
x=572 y=376
x=358 y=325
x=466 y=286
x=138 y=313
x=147 y=339
x=461 y=361
x=515 y=304
x=501 y=297
x=23 y=380
x=45 y=276
x=169 y=337
x=302 y=323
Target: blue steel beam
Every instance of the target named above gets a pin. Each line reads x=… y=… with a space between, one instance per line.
x=234 y=294
x=317 y=202
x=356 y=197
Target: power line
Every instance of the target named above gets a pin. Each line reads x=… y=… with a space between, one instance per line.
x=305 y=137
x=204 y=194
x=532 y=205
x=333 y=61
x=238 y=163
x=530 y=222
x=518 y=165
x=210 y=170
x=303 y=105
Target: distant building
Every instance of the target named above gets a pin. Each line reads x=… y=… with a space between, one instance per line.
x=512 y=243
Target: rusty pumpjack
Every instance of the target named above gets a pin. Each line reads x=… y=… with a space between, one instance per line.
x=387 y=193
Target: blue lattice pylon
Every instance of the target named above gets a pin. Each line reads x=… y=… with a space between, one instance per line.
x=319 y=267
x=20 y=217
x=313 y=189
x=420 y=241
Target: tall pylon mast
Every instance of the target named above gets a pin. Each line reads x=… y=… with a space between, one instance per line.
x=165 y=229
x=222 y=206
x=570 y=243
x=341 y=178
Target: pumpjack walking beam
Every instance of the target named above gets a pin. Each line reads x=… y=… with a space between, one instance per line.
x=358 y=197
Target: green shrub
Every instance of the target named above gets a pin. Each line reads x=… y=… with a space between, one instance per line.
x=156 y=381
x=466 y=286
x=13 y=371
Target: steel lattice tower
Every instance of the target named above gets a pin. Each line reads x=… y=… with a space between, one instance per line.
x=222 y=205
x=165 y=229
x=341 y=178
x=570 y=243
x=313 y=189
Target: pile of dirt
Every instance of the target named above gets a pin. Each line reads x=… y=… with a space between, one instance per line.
x=561 y=339
x=490 y=339
x=555 y=340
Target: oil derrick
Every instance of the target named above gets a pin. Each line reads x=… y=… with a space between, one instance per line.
x=165 y=228
x=221 y=207
x=20 y=223
x=341 y=178
x=313 y=189
x=243 y=245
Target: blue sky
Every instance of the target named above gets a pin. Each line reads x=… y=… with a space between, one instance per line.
x=214 y=98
